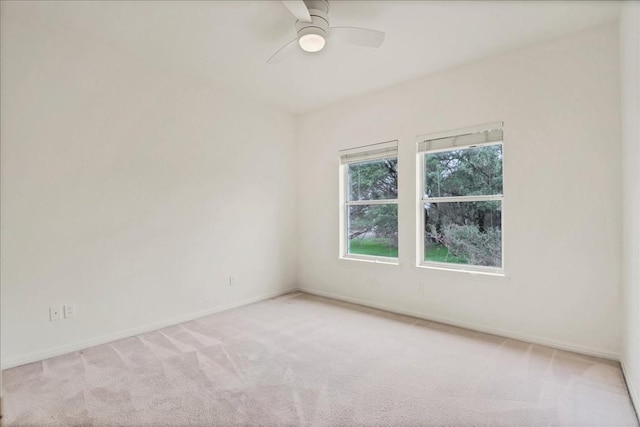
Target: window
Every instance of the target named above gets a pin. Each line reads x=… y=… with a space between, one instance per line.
x=369 y=202
x=460 y=207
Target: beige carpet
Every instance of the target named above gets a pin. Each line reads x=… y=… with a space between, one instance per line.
x=300 y=360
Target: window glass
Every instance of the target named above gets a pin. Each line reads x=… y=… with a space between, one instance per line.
x=467 y=172
x=373 y=230
x=370 y=204
x=462 y=206
x=464 y=233
x=373 y=180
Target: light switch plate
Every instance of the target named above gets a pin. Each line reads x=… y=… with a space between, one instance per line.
x=69 y=311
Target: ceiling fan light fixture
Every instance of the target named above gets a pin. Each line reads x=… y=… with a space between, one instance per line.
x=313 y=30
x=312 y=42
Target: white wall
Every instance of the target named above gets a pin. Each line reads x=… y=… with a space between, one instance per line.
x=560 y=103
x=130 y=192
x=630 y=79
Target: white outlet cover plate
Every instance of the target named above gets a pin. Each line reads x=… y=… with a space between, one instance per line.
x=55 y=312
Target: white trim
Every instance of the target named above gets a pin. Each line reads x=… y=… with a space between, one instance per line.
x=460 y=131
x=420 y=228
x=420 y=192
x=459 y=147
x=369 y=147
x=502 y=213
x=37 y=356
x=58 y=351
x=454 y=199
x=344 y=203
x=371 y=152
x=370 y=258
x=343 y=213
x=635 y=401
x=372 y=202
x=561 y=345
x=462 y=268
x=461 y=142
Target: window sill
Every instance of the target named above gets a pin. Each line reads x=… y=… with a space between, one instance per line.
x=499 y=274
x=370 y=260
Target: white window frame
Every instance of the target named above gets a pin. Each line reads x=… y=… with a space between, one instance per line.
x=380 y=151
x=449 y=143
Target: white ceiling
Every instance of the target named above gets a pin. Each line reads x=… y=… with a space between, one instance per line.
x=228 y=42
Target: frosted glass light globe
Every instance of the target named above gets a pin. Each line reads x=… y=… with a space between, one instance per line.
x=311 y=42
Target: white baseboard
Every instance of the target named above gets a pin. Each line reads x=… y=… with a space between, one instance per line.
x=58 y=351
x=632 y=391
x=473 y=326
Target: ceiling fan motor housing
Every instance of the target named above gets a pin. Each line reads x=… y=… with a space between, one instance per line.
x=312 y=28
x=319 y=11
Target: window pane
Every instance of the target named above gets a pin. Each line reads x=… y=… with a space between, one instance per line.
x=464 y=233
x=373 y=230
x=374 y=180
x=468 y=172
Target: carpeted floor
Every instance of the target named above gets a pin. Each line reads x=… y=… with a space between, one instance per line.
x=301 y=360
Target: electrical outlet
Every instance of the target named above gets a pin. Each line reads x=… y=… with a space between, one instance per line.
x=69 y=311
x=55 y=312
x=232 y=280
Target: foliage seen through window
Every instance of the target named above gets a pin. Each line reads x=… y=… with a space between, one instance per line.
x=373 y=227
x=457 y=229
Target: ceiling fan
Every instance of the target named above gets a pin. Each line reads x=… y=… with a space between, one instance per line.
x=312 y=27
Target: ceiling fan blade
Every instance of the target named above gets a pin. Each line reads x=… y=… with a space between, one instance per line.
x=298 y=9
x=357 y=36
x=283 y=52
